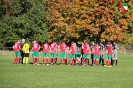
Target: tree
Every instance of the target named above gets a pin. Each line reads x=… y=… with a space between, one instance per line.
x=23 y=19
x=85 y=19
x=68 y=19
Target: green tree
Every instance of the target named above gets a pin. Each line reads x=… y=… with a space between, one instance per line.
x=23 y=19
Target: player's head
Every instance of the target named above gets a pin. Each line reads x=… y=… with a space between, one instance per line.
x=108 y=43
x=63 y=41
x=85 y=41
x=72 y=42
x=97 y=44
x=23 y=40
x=92 y=42
x=35 y=41
x=18 y=41
x=26 y=41
x=114 y=42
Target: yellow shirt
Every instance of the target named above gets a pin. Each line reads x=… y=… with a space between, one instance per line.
x=26 y=48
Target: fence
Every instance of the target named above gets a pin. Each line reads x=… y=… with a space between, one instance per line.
x=8 y=51
x=4 y=51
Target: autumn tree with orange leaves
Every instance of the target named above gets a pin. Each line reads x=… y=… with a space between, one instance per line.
x=86 y=19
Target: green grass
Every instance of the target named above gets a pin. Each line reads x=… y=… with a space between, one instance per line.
x=61 y=76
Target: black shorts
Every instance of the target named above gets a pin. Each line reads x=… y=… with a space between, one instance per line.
x=26 y=54
x=22 y=54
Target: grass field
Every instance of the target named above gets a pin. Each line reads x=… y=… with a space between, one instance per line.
x=61 y=76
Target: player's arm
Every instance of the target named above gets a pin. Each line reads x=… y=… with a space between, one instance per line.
x=39 y=48
x=13 y=46
x=50 y=50
x=81 y=54
x=23 y=48
x=69 y=50
x=89 y=49
x=59 y=48
x=103 y=47
x=82 y=46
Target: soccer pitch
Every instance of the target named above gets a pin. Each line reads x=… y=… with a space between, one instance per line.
x=63 y=76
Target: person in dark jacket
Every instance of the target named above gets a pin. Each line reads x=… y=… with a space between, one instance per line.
x=21 y=51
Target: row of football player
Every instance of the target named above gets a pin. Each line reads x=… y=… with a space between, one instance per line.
x=97 y=52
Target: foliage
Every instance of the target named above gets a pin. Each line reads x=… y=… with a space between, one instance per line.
x=86 y=19
x=70 y=20
x=23 y=19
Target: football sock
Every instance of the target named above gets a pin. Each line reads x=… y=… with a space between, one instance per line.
x=102 y=61
x=113 y=62
x=65 y=60
x=42 y=60
x=22 y=60
x=110 y=63
x=72 y=61
x=92 y=61
x=46 y=60
x=60 y=60
x=77 y=62
x=26 y=60
x=51 y=60
x=14 y=60
x=116 y=62
x=107 y=62
x=33 y=60
x=54 y=60
x=87 y=61
x=17 y=60
x=69 y=61
x=82 y=61
x=96 y=62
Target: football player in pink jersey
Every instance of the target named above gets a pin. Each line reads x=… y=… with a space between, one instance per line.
x=96 y=50
x=109 y=54
x=53 y=51
x=16 y=48
x=63 y=49
x=35 y=49
x=86 y=51
x=45 y=53
x=72 y=53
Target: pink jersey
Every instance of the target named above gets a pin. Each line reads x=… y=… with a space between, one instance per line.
x=96 y=50
x=86 y=48
x=53 y=47
x=109 y=48
x=16 y=47
x=36 y=47
x=45 y=48
x=63 y=47
x=73 y=49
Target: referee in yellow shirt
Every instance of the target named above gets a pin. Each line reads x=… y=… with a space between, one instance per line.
x=26 y=50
